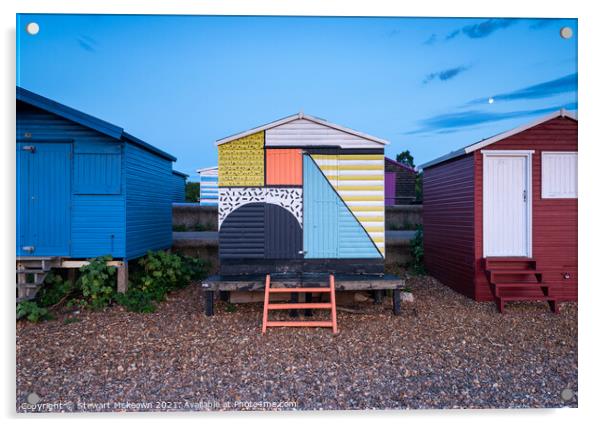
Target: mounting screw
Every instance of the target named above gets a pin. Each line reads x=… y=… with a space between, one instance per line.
x=566 y=275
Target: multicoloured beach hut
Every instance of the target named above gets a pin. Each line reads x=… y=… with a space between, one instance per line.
x=301 y=194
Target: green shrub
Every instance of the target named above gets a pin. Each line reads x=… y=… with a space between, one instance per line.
x=417 y=249
x=136 y=300
x=96 y=283
x=32 y=311
x=157 y=274
x=178 y=227
x=54 y=290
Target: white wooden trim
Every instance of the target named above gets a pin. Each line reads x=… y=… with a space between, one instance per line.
x=499 y=137
x=297 y=117
x=543 y=196
x=528 y=154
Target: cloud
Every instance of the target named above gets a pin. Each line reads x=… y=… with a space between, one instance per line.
x=545 y=89
x=482 y=29
x=542 y=23
x=444 y=75
x=431 y=40
x=87 y=43
x=453 y=122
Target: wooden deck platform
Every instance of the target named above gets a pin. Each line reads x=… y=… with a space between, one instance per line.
x=343 y=282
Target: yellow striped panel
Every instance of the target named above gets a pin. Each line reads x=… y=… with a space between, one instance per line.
x=359 y=187
x=348 y=157
x=340 y=167
x=363 y=198
x=335 y=177
x=369 y=218
x=369 y=198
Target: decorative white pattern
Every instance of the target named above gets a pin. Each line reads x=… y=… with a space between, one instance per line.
x=231 y=198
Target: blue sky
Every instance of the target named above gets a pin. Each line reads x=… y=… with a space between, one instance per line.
x=182 y=82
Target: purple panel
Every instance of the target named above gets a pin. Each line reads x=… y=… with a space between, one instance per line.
x=389 y=188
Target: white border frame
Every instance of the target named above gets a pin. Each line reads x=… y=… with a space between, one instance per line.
x=528 y=154
x=541 y=176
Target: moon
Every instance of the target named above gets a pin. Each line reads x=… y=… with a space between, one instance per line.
x=491 y=100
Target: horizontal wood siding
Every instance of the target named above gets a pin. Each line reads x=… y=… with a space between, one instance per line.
x=179 y=188
x=97 y=220
x=554 y=220
x=303 y=132
x=149 y=194
x=448 y=216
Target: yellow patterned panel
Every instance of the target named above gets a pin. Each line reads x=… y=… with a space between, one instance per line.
x=241 y=163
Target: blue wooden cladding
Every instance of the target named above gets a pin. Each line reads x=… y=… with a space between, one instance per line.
x=43 y=198
x=330 y=229
x=179 y=187
x=86 y=188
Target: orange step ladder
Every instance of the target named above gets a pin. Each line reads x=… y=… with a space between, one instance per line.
x=332 y=306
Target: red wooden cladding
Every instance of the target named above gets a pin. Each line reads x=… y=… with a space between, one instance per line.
x=453 y=222
x=554 y=220
x=448 y=218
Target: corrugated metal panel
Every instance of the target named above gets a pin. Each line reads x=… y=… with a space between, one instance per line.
x=43 y=199
x=303 y=132
x=97 y=222
x=330 y=229
x=242 y=234
x=149 y=189
x=284 y=166
x=283 y=234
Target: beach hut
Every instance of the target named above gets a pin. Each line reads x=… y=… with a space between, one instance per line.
x=208 y=186
x=400 y=183
x=179 y=186
x=301 y=194
x=500 y=215
x=85 y=188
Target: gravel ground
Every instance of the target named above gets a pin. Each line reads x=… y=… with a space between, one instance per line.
x=444 y=351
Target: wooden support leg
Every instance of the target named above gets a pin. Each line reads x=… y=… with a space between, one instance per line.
x=224 y=296
x=209 y=295
x=378 y=297
x=294 y=300
x=72 y=275
x=122 y=278
x=500 y=305
x=554 y=306
x=396 y=302
x=308 y=298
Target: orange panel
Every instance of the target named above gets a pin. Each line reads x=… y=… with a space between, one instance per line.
x=283 y=166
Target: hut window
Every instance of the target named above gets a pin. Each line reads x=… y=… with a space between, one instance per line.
x=97 y=173
x=559 y=175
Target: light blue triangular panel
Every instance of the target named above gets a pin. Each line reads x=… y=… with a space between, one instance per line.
x=330 y=230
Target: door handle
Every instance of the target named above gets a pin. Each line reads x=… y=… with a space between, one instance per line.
x=525 y=196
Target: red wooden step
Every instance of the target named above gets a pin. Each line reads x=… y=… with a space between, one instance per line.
x=514 y=271
x=519 y=286
x=287 y=306
x=500 y=261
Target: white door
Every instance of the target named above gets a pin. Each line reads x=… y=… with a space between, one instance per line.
x=506 y=204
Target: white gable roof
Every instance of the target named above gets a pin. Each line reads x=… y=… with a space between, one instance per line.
x=212 y=171
x=304 y=130
x=488 y=141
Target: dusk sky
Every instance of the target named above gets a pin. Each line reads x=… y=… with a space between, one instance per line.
x=182 y=82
